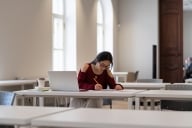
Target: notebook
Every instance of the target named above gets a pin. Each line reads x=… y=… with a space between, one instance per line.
x=63 y=80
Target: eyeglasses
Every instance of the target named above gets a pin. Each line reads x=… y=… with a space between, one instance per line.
x=104 y=66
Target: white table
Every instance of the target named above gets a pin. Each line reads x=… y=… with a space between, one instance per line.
x=105 y=118
x=148 y=86
x=129 y=94
x=22 y=83
x=163 y=94
x=22 y=115
x=117 y=75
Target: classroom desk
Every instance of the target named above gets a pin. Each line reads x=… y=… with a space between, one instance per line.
x=162 y=94
x=117 y=75
x=22 y=115
x=129 y=94
x=22 y=83
x=116 y=118
x=147 y=86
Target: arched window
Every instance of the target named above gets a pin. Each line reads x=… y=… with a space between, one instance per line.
x=64 y=35
x=104 y=26
x=100 y=32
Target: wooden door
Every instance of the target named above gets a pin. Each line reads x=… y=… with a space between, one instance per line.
x=171 y=40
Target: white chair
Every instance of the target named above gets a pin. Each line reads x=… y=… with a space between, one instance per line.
x=6 y=98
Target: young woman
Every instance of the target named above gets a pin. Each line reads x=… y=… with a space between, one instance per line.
x=95 y=75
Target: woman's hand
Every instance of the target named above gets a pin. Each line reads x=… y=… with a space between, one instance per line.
x=98 y=87
x=118 y=87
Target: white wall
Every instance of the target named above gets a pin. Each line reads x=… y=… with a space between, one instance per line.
x=187 y=34
x=138 y=31
x=115 y=32
x=86 y=31
x=25 y=38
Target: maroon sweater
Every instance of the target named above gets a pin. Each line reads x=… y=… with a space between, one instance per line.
x=86 y=79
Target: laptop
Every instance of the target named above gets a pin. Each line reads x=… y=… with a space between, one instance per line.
x=63 y=80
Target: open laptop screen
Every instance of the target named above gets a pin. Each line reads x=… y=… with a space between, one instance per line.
x=63 y=80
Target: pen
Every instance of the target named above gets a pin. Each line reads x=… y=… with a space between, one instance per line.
x=95 y=80
x=99 y=87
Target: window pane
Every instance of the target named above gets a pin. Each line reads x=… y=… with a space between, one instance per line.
x=58 y=33
x=64 y=34
x=99 y=38
x=105 y=26
x=70 y=35
x=58 y=60
x=99 y=13
x=57 y=6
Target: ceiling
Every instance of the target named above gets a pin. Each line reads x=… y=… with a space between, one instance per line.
x=187 y=5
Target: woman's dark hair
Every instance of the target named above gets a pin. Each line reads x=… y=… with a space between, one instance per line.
x=102 y=56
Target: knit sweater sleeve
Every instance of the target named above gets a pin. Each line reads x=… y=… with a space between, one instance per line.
x=111 y=82
x=84 y=81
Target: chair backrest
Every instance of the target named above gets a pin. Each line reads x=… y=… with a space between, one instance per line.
x=6 y=98
x=132 y=76
x=136 y=75
x=150 y=80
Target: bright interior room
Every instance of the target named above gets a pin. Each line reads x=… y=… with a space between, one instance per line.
x=27 y=44
x=95 y=64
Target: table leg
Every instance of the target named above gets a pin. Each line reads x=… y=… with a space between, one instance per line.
x=34 y=101
x=41 y=101
x=130 y=103
x=145 y=103
x=137 y=103
x=23 y=101
x=152 y=104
